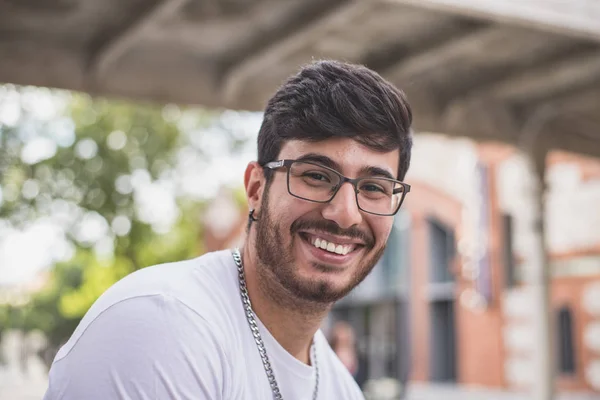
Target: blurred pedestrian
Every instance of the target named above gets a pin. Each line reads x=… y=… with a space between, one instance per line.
x=343 y=344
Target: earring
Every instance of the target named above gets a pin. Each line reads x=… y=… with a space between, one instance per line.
x=251 y=216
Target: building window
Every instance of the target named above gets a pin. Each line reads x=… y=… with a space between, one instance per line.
x=566 y=351
x=508 y=251
x=441 y=252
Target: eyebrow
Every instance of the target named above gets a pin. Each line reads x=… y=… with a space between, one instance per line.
x=328 y=162
x=320 y=159
x=376 y=171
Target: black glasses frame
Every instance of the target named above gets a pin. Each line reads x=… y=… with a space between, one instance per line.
x=343 y=179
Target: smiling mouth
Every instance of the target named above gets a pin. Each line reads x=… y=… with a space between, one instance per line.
x=329 y=246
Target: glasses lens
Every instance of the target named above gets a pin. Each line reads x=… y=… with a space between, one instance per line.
x=312 y=182
x=379 y=195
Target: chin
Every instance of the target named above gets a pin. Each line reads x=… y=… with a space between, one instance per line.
x=323 y=291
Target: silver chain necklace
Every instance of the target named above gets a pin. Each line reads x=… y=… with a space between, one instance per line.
x=250 y=316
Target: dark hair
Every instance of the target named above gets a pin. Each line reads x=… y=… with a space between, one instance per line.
x=329 y=99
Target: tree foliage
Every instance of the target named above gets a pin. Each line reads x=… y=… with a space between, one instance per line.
x=100 y=161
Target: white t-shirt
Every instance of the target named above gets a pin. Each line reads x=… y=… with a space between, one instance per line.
x=178 y=331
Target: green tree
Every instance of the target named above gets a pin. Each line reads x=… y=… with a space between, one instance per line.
x=99 y=154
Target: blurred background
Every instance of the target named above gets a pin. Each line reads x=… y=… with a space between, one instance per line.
x=125 y=128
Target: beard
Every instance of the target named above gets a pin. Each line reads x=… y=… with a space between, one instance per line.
x=276 y=259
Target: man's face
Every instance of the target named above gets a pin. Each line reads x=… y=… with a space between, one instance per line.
x=288 y=227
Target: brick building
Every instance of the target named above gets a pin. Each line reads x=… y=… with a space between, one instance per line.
x=450 y=300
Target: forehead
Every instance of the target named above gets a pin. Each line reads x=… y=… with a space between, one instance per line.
x=350 y=155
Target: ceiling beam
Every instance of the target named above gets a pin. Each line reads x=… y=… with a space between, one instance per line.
x=25 y=62
x=476 y=55
x=292 y=17
x=562 y=124
x=261 y=22
x=548 y=81
x=269 y=57
x=485 y=120
x=578 y=18
x=582 y=101
x=417 y=30
x=576 y=135
x=481 y=119
x=111 y=51
x=471 y=45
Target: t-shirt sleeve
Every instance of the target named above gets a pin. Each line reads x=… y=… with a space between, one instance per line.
x=148 y=347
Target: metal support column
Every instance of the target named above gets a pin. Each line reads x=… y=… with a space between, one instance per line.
x=540 y=280
x=540 y=275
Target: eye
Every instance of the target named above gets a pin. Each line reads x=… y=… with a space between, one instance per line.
x=376 y=188
x=371 y=187
x=317 y=176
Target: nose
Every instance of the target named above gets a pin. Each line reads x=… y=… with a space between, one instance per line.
x=342 y=209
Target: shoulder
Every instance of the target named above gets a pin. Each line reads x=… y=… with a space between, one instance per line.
x=177 y=278
x=189 y=290
x=155 y=340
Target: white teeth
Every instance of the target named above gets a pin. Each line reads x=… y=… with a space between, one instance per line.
x=332 y=247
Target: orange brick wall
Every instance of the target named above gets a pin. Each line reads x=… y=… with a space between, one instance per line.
x=479 y=350
x=480 y=346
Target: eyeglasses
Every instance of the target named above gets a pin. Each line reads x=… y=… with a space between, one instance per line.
x=319 y=184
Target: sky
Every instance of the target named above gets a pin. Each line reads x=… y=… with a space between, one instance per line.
x=26 y=252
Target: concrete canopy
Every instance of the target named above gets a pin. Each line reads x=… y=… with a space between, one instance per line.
x=486 y=69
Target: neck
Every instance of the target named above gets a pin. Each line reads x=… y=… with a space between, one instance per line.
x=292 y=322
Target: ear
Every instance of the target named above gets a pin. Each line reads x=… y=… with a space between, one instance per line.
x=254 y=181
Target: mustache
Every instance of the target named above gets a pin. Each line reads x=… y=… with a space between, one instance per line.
x=332 y=228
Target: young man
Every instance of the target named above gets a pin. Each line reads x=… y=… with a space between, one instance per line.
x=333 y=148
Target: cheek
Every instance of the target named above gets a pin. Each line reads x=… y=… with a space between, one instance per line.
x=284 y=209
x=382 y=230
x=287 y=207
